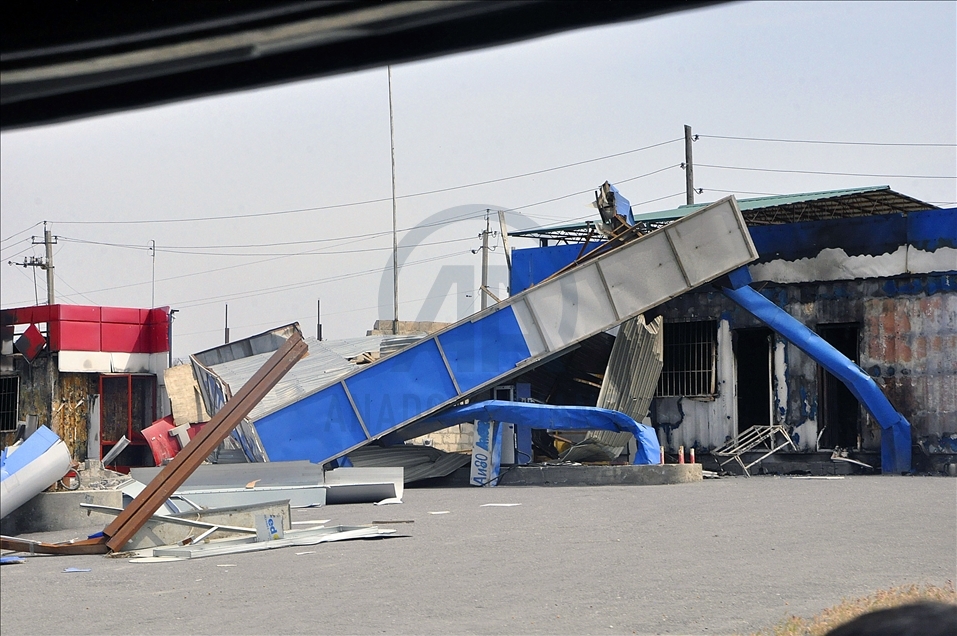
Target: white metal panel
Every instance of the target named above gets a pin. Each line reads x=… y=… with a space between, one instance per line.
x=642 y=278
x=713 y=243
x=526 y=322
x=84 y=362
x=130 y=362
x=572 y=306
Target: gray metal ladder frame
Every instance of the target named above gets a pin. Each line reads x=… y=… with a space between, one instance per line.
x=752 y=438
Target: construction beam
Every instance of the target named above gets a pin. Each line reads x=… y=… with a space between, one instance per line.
x=126 y=524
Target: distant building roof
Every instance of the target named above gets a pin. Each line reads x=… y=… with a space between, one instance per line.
x=768 y=210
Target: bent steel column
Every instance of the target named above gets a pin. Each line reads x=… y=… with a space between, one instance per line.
x=895 y=435
x=505 y=339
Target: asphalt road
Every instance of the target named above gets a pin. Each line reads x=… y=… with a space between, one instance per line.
x=717 y=557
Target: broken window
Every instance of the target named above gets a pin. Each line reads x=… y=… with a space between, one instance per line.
x=9 y=402
x=690 y=352
x=128 y=405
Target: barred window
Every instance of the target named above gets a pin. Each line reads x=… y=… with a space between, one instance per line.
x=690 y=351
x=9 y=402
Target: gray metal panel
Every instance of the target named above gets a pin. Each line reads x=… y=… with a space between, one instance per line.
x=633 y=368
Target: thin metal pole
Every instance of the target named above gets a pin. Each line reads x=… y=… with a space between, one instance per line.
x=689 y=168
x=153 y=281
x=48 y=241
x=319 y=319
x=227 y=323
x=395 y=240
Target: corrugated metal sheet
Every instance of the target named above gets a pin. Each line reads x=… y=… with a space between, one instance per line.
x=633 y=368
x=630 y=380
x=419 y=462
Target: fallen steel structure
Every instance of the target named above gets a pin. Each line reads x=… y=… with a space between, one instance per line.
x=601 y=290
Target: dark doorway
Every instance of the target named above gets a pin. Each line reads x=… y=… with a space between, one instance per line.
x=838 y=421
x=753 y=356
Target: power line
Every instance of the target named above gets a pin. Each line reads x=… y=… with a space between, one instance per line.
x=832 y=143
x=369 y=201
x=186 y=251
x=839 y=174
x=20 y=232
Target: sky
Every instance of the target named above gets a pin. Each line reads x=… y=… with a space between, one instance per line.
x=274 y=202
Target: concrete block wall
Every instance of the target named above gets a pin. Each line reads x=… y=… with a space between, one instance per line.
x=451 y=440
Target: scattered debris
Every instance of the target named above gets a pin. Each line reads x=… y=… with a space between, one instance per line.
x=499 y=505
x=78 y=570
x=10 y=560
x=29 y=467
x=440 y=512
x=757 y=438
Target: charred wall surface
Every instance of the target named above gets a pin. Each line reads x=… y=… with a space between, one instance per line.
x=907 y=328
x=61 y=401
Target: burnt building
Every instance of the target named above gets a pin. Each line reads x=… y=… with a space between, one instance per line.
x=872 y=271
x=91 y=374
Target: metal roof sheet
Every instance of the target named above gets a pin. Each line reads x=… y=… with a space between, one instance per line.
x=784 y=208
x=326 y=363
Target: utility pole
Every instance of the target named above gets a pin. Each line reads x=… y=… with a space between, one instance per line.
x=484 y=289
x=689 y=167
x=43 y=263
x=395 y=240
x=227 y=323
x=319 y=319
x=172 y=315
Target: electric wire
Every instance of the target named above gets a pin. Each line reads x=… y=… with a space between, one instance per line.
x=832 y=143
x=368 y=201
x=822 y=172
x=20 y=232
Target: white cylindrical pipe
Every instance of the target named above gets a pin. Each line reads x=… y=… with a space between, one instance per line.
x=34 y=478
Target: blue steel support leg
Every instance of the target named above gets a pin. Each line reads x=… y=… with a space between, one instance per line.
x=895 y=434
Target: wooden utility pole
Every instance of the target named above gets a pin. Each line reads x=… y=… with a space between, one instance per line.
x=689 y=167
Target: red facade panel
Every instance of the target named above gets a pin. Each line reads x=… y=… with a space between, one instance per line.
x=124 y=315
x=78 y=313
x=74 y=336
x=124 y=338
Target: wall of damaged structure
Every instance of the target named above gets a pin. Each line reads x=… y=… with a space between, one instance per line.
x=908 y=333
x=64 y=402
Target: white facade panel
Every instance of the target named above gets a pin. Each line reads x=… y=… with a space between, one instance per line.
x=526 y=322
x=713 y=243
x=84 y=362
x=572 y=307
x=130 y=362
x=642 y=278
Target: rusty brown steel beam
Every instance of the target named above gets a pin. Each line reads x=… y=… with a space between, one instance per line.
x=96 y=545
x=128 y=523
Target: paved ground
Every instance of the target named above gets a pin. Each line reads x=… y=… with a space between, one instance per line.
x=715 y=557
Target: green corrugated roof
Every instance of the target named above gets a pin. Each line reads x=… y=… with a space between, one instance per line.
x=760 y=202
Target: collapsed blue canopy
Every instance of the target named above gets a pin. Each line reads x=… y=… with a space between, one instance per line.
x=547 y=416
x=42 y=440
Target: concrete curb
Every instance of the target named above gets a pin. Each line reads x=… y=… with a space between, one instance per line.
x=656 y=475
x=51 y=511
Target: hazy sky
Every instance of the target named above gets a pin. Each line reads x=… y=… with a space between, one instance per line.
x=238 y=191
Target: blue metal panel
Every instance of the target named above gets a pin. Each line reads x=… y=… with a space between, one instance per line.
x=533 y=265
x=480 y=351
x=873 y=235
x=401 y=387
x=314 y=428
x=932 y=229
x=42 y=440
